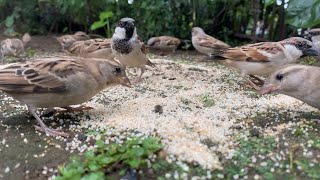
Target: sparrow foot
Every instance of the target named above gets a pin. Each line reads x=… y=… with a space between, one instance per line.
x=51 y=132
x=43 y=127
x=253 y=85
x=259 y=82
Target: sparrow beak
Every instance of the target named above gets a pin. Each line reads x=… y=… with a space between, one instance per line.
x=268 y=88
x=311 y=52
x=125 y=81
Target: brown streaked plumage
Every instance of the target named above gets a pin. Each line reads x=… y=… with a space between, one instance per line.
x=93 y=48
x=14 y=47
x=298 y=81
x=67 y=40
x=265 y=57
x=206 y=44
x=164 y=43
x=59 y=82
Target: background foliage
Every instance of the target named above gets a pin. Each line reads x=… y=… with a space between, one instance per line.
x=230 y=20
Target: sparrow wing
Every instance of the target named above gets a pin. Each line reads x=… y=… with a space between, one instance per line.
x=143 y=47
x=90 y=46
x=42 y=76
x=170 y=40
x=210 y=42
x=250 y=53
x=155 y=41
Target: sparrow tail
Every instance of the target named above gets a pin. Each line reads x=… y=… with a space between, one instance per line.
x=26 y=38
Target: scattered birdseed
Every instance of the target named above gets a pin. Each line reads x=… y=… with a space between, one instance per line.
x=185 y=125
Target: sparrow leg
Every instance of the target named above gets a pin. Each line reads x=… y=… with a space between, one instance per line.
x=260 y=81
x=142 y=69
x=43 y=127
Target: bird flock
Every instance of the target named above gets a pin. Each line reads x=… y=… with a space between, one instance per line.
x=100 y=63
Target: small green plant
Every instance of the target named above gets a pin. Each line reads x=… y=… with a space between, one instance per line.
x=96 y=164
x=248 y=148
x=30 y=52
x=311 y=170
x=103 y=22
x=309 y=61
x=207 y=101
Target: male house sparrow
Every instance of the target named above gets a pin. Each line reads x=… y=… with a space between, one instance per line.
x=92 y=48
x=206 y=44
x=14 y=47
x=265 y=57
x=164 y=43
x=67 y=40
x=59 y=82
x=298 y=81
x=127 y=47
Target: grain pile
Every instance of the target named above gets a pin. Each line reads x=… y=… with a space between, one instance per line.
x=194 y=108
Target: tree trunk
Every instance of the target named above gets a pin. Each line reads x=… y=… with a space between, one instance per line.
x=255 y=14
x=281 y=24
x=272 y=19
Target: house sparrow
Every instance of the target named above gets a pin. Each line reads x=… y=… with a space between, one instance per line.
x=315 y=37
x=164 y=43
x=206 y=44
x=128 y=49
x=59 y=82
x=93 y=48
x=265 y=57
x=14 y=47
x=298 y=81
x=67 y=40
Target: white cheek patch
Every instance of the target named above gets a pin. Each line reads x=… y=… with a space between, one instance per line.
x=119 y=33
x=293 y=51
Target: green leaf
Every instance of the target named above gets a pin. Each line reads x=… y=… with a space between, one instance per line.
x=107 y=160
x=303 y=14
x=97 y=25
x=105 y=15
x=100 y=143
x=94 y=176
x=137 y=151
x=93 y=166
x=89 y=155
x=9 y=21
x=134 y=163
x=269 y=2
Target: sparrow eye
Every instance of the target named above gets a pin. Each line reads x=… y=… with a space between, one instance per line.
x=121 y=24
x=300 y=45
x=118 y=70
x=279 y=77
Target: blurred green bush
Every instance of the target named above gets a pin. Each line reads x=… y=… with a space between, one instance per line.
x=234 y=21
